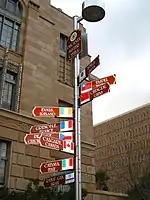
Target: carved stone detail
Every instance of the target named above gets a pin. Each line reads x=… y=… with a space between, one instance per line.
x=33 y=5
x=14 y=124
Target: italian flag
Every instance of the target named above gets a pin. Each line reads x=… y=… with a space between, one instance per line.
x=67 y=164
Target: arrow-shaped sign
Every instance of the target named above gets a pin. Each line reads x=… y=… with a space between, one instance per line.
x=89 y=86
x=89 y=96
x=85 y=72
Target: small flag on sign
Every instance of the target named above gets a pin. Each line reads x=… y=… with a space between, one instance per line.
x=68 y=147
x=65 y=112
x=66 y=136
x=69 y=177
x=67 y=164
x=66 y=125
x=86 y=87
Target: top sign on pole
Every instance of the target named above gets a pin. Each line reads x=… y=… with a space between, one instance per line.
x=74 y=44
x=85 y=73
x=59 y=112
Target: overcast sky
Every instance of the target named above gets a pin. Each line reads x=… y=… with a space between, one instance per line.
x=122 y=39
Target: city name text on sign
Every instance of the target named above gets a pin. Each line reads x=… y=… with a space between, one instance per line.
x=86 y=87
x=62 y=179
x=74 y=44
x=85 y=73
x=55 y=166
x=50 y=142
x=89 y=96
x=45 y=111
x=54 y=127
x=33 y=139
x=54 y=181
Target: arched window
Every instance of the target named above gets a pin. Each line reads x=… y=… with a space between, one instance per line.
x=10 y=21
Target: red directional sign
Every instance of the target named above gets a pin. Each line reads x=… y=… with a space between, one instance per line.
x=32 y=139
x=86 y=87
x=45 y=111
x=50 y=167
x=54 y=181
x=89 y=96
x=74 y=44
x=85 y=73
x=54 y=127
x=51 y=143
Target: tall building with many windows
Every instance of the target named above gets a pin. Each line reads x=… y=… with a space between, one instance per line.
x=123 y=147
x=34 y=71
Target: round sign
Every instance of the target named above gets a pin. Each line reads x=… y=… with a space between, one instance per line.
x=73 y=36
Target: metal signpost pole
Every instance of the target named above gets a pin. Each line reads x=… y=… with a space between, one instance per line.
x=76 y=114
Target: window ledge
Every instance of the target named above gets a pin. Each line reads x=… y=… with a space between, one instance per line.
x=65 y=84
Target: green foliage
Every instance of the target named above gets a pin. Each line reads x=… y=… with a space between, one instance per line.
x=36 y=192
x=141 y=189
x=101 y=180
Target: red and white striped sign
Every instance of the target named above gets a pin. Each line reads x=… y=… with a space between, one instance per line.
x=68 y=147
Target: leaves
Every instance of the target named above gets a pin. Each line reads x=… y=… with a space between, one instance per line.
x=101 y=180
x=36 y=192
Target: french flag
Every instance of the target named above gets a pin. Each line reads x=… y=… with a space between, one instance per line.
x=86 y=87
x=66 y=136
x=66 y=125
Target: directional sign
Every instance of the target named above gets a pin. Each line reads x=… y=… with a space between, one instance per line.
x=54 y=127
x=86 y=87
x=58 y=165
x=50 y=167
x=32 y=139
x=54 y=181
x=50 y=143
x=46 y=111
x=74 y=44
x=85 y=73
x=89 y=96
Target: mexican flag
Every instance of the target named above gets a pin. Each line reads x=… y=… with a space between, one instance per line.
x=67 y=164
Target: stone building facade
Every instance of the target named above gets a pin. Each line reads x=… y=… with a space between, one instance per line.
x=123 y=147
x=34 y=71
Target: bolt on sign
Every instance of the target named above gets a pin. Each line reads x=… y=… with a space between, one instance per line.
x=58 y=165
x=85 y=72
x=58 y=112
x=89 y=96
x=53 y=127
x=54 y=181
x=86 y=87
x=74 y=44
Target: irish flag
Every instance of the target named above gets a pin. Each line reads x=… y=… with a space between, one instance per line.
x=67 y=164
x=65 y=112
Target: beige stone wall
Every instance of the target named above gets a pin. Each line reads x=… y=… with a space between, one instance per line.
x=25 y=159
x=121 y=137
x=103 y=195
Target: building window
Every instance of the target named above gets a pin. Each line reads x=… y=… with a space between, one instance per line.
x=66 y=71
x=3 y=161
x=63 y=43
x=9 y=91
x=9 y=28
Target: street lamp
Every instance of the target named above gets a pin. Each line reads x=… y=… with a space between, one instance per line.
x=92 y=11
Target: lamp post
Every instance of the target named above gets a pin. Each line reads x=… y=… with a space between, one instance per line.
x=92 y=11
